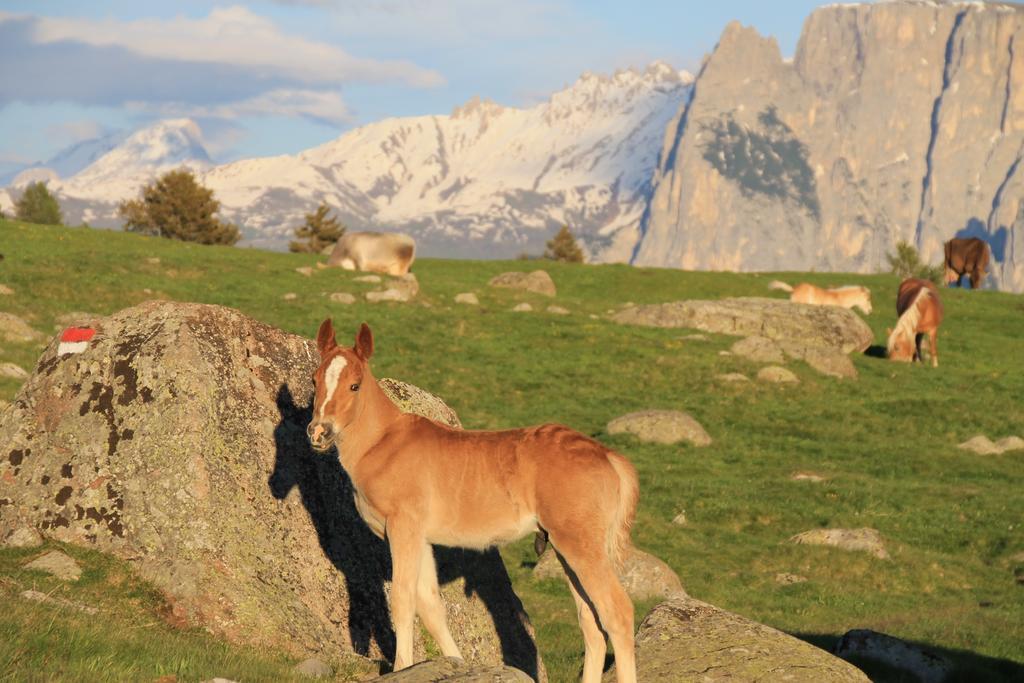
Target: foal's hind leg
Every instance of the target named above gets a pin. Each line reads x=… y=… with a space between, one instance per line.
x=594 y=645
x=430 y=607
x=933 y=345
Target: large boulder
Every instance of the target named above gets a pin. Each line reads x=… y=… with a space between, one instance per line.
x=683 y=639
x=754 y=316
x=177 y=441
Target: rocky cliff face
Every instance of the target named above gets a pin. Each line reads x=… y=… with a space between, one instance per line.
x=894 y=121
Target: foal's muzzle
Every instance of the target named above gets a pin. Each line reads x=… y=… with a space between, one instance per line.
x=322 y=435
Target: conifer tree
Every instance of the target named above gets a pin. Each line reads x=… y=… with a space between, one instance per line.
x=319 y=231
x=177 y=206
x=563 y=247
x=37 y=205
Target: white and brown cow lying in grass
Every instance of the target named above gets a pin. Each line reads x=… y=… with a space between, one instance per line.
x=390 y=253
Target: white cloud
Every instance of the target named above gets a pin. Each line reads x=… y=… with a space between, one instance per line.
x=231 y=36
x=75 y=131
x=326 y=107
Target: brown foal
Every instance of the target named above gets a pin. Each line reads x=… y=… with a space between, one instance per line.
x=418 y=482
x=920 y=312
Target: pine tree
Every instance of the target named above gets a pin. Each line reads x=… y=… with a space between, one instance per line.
x=37 y=205
x=563 y=247
x=319 y=231
x=177 y=206
x=906 y=262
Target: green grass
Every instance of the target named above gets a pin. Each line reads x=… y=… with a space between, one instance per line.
x=887 y=441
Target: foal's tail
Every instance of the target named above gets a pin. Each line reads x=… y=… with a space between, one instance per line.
x=625 y=509
x=779 y=284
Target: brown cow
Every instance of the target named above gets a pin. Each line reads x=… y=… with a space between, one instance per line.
x=966 y=256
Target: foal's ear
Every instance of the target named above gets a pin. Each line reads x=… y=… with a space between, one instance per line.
x=325 y=340
x=364 y=342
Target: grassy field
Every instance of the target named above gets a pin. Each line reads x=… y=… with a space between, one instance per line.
x=886 y=442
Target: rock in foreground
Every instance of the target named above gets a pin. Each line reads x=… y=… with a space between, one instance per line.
x=455 y=670
x=177 y=441
x=684 y=639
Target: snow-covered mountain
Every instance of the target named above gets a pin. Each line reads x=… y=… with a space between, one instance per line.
x=485 y=181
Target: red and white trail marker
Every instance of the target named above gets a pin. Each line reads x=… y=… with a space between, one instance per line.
x=75 y=340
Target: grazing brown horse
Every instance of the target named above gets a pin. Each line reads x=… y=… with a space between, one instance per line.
x=966 y=256
x=418 y=482
x=920 y=312
x=847 y=297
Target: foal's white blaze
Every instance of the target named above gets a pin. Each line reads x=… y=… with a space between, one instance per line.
x=331 y=380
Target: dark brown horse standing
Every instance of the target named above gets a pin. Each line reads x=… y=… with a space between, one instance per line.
x=920 y=312
x=966 y=256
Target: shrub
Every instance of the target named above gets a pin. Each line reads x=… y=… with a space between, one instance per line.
x=319 y=231
x=176 y=206
x=37 y=205
x=906 y=262
x=563 y=247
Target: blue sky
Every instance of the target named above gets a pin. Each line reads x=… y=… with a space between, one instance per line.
x=279 y=76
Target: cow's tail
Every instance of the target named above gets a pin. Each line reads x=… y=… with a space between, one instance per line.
x=779 y=284
x=625 y=507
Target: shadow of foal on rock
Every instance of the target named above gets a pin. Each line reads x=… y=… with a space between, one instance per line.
x=363 y=558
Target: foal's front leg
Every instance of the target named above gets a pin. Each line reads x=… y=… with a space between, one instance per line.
x=407 y=543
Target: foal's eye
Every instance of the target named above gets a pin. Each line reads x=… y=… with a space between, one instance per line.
x=354 y=387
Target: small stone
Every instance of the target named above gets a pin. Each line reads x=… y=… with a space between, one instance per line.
x=594 y=316
x=733 y=377
x=305 y=270
x=981 y=445
x=784 y=579
x=758 y=349
x=558 y=310
x=538 y=282
x=290 y=296
x=5 y=290
x=808 y=476
x=522 y=308
x=14 y=329
x=12 y=371
x=865 y=540
x=466 y=298
x=1010 y=443
x=680 y=519
x=343 y=298
x=321 y=265
x=147 y=290
x=367 y=278
x=313 y=668
x=777 y=374
x=925 y=665
x=387 y=295
x=153 y=260
x=218 y=679
x=407 y=284
x=37 y=596
x=831 y=362
x=23 y=537
x=661 y=426
x=57 y=563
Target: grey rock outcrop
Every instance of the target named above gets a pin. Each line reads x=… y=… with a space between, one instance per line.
x=894 y=121
x=538 y=282
x=982 y=445
x=686 y=640
x=858 y=540
x=177 y=441
x=926 y=666
x=661 y=426
x=58 y=564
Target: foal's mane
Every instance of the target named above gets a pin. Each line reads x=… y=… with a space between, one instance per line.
x=907 y=324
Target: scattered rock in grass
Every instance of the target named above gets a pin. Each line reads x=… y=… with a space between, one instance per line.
x=387 y=295
x=732 y=377
x=218 y=679
x=725 y=353
x=290 y=296
x=784 y=579
x=57 y=563
x=683 y=639
x=758 y=349
x=808 y=476
x=153 y=260
x=927 y=666
x=12 y=371
x=320 y=265
x=863 y=540
x=538 y=282
x=831 y=362
x=594 y=316
x=36 y=596
x=982 y=445
x=467 y=298
x=680 y=519
x=777 y=374
x=343 y=298
x=5 y=290
x=14 y=329
x=407 y=284
x=23 y=537
x=694 y=337
x=661 y=426
x=305 y=270
x=453 y=669
x=367 y=278
x=643 y=575
x=558 y=310
x=522 y=308
x=313 y=668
